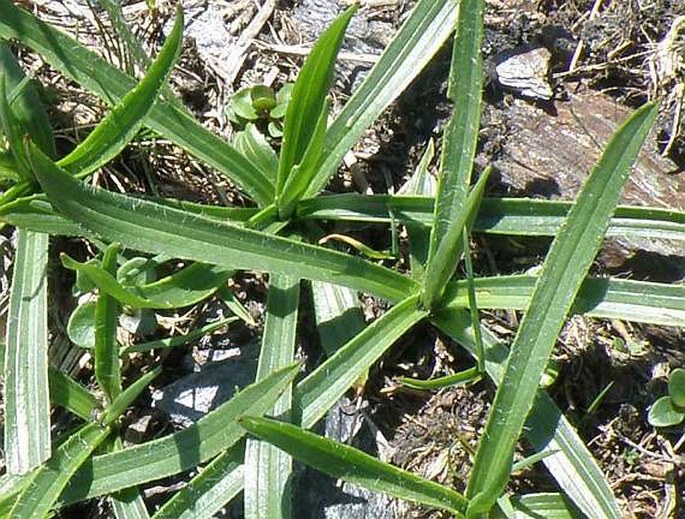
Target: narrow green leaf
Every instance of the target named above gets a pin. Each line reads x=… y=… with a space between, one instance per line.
x=317 y=393
x=517 y=216
x=116 y=130
x=349 y=464
x=180 y=451
x=143 y=225
x=13 y=133
x=27 y=403
x=47 y=483
x=638 y=301
x=38 y=499
x=570 y=462
x=128 y=503
x=34 y=213
x=563 y=272
x=94 y=73
x=107 y=371
x=267 y=490
x=204 y=495
x=307 y=105
x=301 y=174
x=26 y=104
x=251 y=143
x=468 y=376
x=458 y=151
x=542 y=506
x=530 y=217
x=429 y=25
x=443 y=263
x=71 y=395
x=338 y=314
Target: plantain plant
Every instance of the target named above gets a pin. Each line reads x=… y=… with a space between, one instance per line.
x=47 y=195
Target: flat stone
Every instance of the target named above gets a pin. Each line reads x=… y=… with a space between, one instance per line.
x=548 y=153
x=193 y=396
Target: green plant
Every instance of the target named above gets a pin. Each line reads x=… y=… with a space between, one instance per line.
x=260 y=103
x=278 y=236
x=669 y=410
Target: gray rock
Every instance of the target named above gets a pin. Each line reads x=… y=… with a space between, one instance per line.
x=193 y=396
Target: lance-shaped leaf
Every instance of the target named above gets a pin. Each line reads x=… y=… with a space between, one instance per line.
x=94 y=73
x=349 y=464
x=517 y=216
x=564 y=270
x=639 y=301
x=182 y=450
x=306 y=116
x=125 y=120
x=27 y=403
x=150 y=227
x=429 y=25
x=47 y=483
x=567 y=458
x=107 y=370
x=34 y=213
x=208 y=492
x=458 y=151
x=25 y=102
x=267 y=492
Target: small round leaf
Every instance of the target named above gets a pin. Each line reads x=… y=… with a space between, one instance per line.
x=81 y=325
x=664 y=414
x=676 y=387
x=241 y=105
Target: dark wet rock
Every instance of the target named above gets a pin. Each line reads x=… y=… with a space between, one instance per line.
x=193 y=396
x=321 y=497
